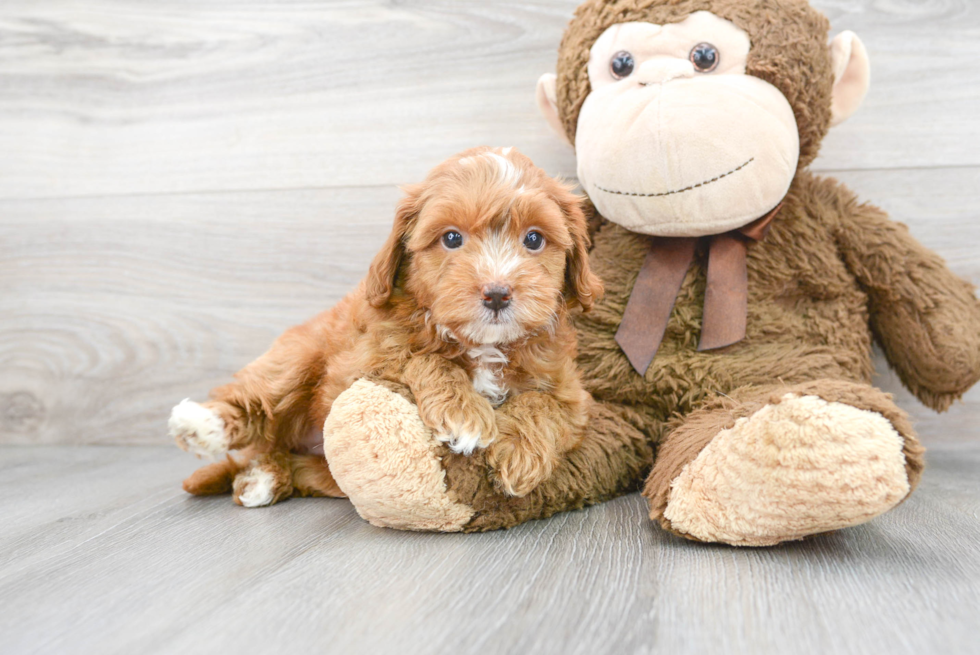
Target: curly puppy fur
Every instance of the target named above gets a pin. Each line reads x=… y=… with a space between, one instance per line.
x=495 y=372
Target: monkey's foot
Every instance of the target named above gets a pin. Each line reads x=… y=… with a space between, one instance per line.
x=795 y=467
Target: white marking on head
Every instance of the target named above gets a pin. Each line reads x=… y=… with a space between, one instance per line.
x=506 y=151
x=259 y=487
x=507 y=173
x=499 y=257
x=197 y=429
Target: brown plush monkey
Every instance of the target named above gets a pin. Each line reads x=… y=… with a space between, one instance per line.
x=743 y=296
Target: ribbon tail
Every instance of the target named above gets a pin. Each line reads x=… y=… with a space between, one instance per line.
x=726 y=294
x=652 y=299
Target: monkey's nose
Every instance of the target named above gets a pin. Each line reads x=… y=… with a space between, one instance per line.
x=496 y=297
x=660 y=70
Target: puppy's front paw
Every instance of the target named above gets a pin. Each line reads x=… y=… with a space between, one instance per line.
x=465 y=426
x=518 y=466
x=198 y=430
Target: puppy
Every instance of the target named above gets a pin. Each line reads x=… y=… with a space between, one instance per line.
x=466 y=305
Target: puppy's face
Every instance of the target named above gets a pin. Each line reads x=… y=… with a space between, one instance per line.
x=494 y=246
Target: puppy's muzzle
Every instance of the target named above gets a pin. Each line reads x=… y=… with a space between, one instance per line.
x=496 y=297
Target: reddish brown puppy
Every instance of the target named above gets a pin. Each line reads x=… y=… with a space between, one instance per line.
x=465 y=307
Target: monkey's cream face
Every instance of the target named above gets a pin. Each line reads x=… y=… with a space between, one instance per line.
x=675 y=139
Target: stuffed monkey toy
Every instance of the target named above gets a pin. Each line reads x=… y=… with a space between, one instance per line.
x=731 y=358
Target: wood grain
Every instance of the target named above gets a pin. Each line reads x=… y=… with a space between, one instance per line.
x=117 y=97
x=112 y=311
x=103 y=554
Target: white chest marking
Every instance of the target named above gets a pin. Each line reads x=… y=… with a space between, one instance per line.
x=487 y=378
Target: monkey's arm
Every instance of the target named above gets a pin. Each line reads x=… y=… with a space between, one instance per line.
x=926 y=319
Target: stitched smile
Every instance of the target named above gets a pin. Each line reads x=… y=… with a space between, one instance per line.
x=676 y=191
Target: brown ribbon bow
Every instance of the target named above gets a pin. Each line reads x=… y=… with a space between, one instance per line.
x=664 y=268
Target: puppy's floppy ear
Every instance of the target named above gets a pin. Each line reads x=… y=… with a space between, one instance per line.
x=581 y=284
x=381 y=276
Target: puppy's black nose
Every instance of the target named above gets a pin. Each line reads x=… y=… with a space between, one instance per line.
x=496 y=297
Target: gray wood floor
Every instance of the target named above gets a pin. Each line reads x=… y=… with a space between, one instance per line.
x=103 y=554
x=181 y=180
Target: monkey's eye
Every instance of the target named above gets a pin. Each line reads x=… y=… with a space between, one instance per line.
x=533 y=240
x=621 y=65
x=452 y=239
x=705 y=57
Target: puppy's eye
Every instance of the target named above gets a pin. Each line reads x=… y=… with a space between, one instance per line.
x=452 y=239
x=622 y=65
x=705 y=57
x=533 y=240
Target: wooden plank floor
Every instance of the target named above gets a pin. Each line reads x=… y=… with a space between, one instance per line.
x=181 y=180
x=103 y=554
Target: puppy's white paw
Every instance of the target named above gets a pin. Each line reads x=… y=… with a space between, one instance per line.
x=197 y=429
x=255 y=488
x=461 y=441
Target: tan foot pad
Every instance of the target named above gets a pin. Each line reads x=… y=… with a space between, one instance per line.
x=383 y=457
x=792 y=469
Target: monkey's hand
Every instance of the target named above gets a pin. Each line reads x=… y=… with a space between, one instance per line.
x=926 y=319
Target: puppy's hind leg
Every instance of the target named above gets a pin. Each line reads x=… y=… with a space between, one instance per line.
x=254 y=480
x=264 y=481
x=312 y=477
x=214 y=479
x=268 y=404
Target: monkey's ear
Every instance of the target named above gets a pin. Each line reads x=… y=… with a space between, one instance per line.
x=852 y=75
x=548 y=104
x=380 y=279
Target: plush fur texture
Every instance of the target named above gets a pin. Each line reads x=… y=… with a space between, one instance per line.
x=832 y=277
x=425 y=317
x=372 y=423
x=789 y=50
x=691 y=434
x=845 y=462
